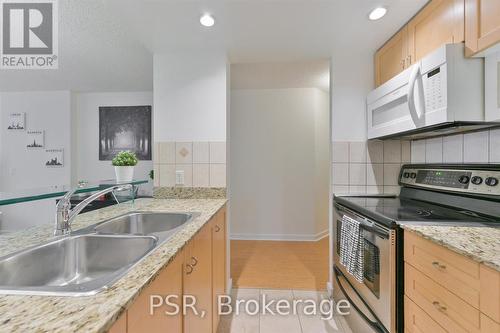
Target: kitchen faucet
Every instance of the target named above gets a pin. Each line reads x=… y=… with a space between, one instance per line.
x=65 y=215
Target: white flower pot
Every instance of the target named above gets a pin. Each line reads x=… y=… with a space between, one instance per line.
x=124 y=174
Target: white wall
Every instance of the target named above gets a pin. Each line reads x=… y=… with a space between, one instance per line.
x=190 y=97
x=278 y=139
x=87 y=133
x=351 y=81
x=21 y=168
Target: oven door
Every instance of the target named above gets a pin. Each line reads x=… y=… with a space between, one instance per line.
x=374 y=299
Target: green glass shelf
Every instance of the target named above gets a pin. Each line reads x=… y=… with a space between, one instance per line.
x=9 y=198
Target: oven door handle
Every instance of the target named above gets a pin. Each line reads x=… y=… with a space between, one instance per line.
x=377 y=326
x=374 y=229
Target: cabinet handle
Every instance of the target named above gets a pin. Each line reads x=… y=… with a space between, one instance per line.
x=195 y=261
x=217 y=228
x=190 y=269
x=439 y=307
x=403 y=63
x=438 y=265
x=409 y=60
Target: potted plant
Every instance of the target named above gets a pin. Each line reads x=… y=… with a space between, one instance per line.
x=124 y=163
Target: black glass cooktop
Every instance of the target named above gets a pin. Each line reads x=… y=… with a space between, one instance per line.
x=400 y=210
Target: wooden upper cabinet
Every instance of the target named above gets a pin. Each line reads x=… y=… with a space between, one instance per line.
x=198 y=281
x=390 y=58
x=169 y=282
x=218 y=261
x=438 y=23
x=482 y=25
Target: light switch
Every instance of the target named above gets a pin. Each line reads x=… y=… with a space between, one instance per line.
x=179 y=177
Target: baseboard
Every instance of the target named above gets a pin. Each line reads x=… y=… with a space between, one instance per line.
x=281 y=237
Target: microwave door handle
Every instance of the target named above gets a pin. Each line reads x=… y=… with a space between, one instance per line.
x=420 y=82
x=415 y=74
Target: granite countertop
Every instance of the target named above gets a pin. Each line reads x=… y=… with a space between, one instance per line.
x=97 y=313
x=481 y=244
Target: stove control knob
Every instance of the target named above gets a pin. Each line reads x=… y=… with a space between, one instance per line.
x=491 y=181
x=464 y=179
x=476 y=180
x=413 y=175
x=406 y=175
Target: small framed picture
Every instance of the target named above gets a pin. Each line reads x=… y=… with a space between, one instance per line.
x=54 y=158
x=35 y=140
x=16 y=121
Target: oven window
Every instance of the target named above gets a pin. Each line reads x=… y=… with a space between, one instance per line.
x=371 y=267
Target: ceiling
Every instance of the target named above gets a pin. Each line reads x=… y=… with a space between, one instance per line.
x=107 y=45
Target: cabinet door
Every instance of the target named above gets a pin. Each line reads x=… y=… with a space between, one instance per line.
x=390 y=58
x=440 y=22
x=198 y=282
x=120 y=326
x=218 y=262
x=482 y=24
x=169 y=282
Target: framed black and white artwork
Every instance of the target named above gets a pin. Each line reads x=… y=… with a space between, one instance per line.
x=125 y=128
x=35 y=139
x=16 y=121
x=54 y=158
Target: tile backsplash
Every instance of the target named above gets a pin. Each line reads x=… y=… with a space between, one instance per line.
x=368 y=167
x=203 y=163
x=476 y=147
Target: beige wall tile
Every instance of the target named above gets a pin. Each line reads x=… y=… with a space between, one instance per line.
x=434 y=150
x=218 y=152
x=391 y=173
x=340 y=189
x=183 y=152
x=495 y=145
x=340 y=152
x=375 y=189
x=340 y=174
x=167 y=175
x=357 y=189
x=392 y=151
x=156 y=152
x=188 y=173
x=357 y=152
x=166 y=152
x=357 y=174
x=201 y=152
x=217 y=175
x=375 y=174
x=406 y=151
x=453 y=149
x=418 y=151
x=375 y=152
x=392 y=190
x=201 y=175
x=476 y=147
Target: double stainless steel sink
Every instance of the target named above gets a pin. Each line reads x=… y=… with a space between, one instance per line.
x=89 y=260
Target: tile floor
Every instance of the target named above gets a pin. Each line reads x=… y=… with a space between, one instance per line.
x=267 y=323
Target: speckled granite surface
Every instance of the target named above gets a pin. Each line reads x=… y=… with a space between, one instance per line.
x=189 y=192
x=481 y=244
x=96 y=313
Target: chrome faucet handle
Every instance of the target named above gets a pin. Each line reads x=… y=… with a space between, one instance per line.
x=65 y=215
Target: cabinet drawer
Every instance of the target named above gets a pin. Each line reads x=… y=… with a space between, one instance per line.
x=440 y=304
x=417 y=321
x=455 y=272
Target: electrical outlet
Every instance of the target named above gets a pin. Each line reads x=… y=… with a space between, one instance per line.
x=179 y=177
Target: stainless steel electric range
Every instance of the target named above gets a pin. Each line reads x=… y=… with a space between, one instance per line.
x=430 y=195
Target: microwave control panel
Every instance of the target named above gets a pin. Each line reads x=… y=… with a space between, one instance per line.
x=464 y=181
x=435 y=89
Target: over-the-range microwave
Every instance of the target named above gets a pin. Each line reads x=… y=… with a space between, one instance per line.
x=443 y=93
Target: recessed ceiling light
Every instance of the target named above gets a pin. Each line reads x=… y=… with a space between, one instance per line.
x=207 y=20
x=377 y=13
